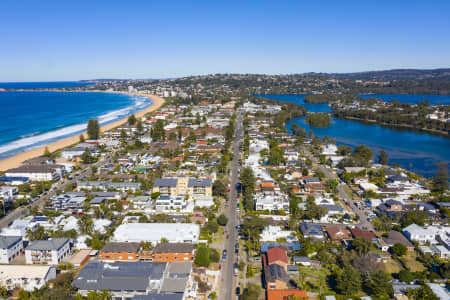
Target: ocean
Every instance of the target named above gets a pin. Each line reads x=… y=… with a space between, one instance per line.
x=29 y=119
x=414 y=151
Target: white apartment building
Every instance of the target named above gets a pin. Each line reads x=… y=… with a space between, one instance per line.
x=10 y=247
x=50 y=252
x=25 y=277
x=35 y=173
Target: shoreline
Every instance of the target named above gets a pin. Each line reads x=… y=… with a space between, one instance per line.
x=16 y=160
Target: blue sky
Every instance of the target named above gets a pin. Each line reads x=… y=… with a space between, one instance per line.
x=72 y=40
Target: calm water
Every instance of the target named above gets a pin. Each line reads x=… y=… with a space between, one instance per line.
x=418 y=152
x=30 y=119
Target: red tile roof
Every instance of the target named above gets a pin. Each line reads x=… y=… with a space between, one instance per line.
x=284 y=294
x=359 y=233
x=276 y=253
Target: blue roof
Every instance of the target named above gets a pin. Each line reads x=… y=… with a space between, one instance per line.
x=290 y=246
x=13 y=178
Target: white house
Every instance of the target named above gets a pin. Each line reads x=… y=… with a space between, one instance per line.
x=329 y=149
x=50 y=252
x=273 y=233
x=419 y=234
x=10 y=247
x=25 y=277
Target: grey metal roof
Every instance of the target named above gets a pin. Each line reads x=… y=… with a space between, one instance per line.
x=124 y=276
x=97 y=200
x=7 y=242
x=172 y=182
x=174 y=248
x=53 y=244
x=199 y=182
x=121 y=247
x=174 y=285
x=180 y=267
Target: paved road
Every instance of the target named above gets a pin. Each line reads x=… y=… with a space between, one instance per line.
x=228 y=284
x=363 y=220
x=59 y=185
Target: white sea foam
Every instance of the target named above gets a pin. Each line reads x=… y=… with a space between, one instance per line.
x=31 y=141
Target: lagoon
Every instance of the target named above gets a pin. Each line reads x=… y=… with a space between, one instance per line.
x=414 y=151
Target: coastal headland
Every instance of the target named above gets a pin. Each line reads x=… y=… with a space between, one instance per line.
x=15 y=161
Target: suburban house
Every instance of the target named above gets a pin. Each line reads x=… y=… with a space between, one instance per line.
x=25 y=277
x=285 y=294
x=338 y=232
x=50 y=252
x=276 y=277
x=277 y=255
x=311 y=230
x=363 y=234
x=170 y=252
x=395 y=237
x=273 y=233
x=120 y=252
x=10 y=247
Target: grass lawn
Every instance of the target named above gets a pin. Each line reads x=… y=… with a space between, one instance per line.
x=313 y=279
x=218 y=237
x=392 y=266
x=412 y=264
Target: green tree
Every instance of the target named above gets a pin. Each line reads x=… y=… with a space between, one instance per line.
x=379 y=286
x=47 y=152
x=348 y=282
x=157 y=132
x=123 y=134
x=214 y=255
x=219 y=189
x=440 y=181
x=132 y=119
x=405 y=275
x=383 y=157
x=202 y=258
x=85 y=224
x=363 y=153
x=82 y=139
x=422 y=293
x=212 y=226
x=87 y=158
x=361 y=246
x=399 y=249
x=318 y=119
x=93 y=129
x=139 y=126
x=222 y=220
x=98 y=295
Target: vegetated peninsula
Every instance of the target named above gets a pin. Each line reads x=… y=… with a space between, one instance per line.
x=421 y=116
x=318 y=119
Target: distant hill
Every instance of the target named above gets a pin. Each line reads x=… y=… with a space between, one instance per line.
x=396 y=74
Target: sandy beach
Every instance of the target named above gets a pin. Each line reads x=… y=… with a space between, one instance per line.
x=15 y=161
